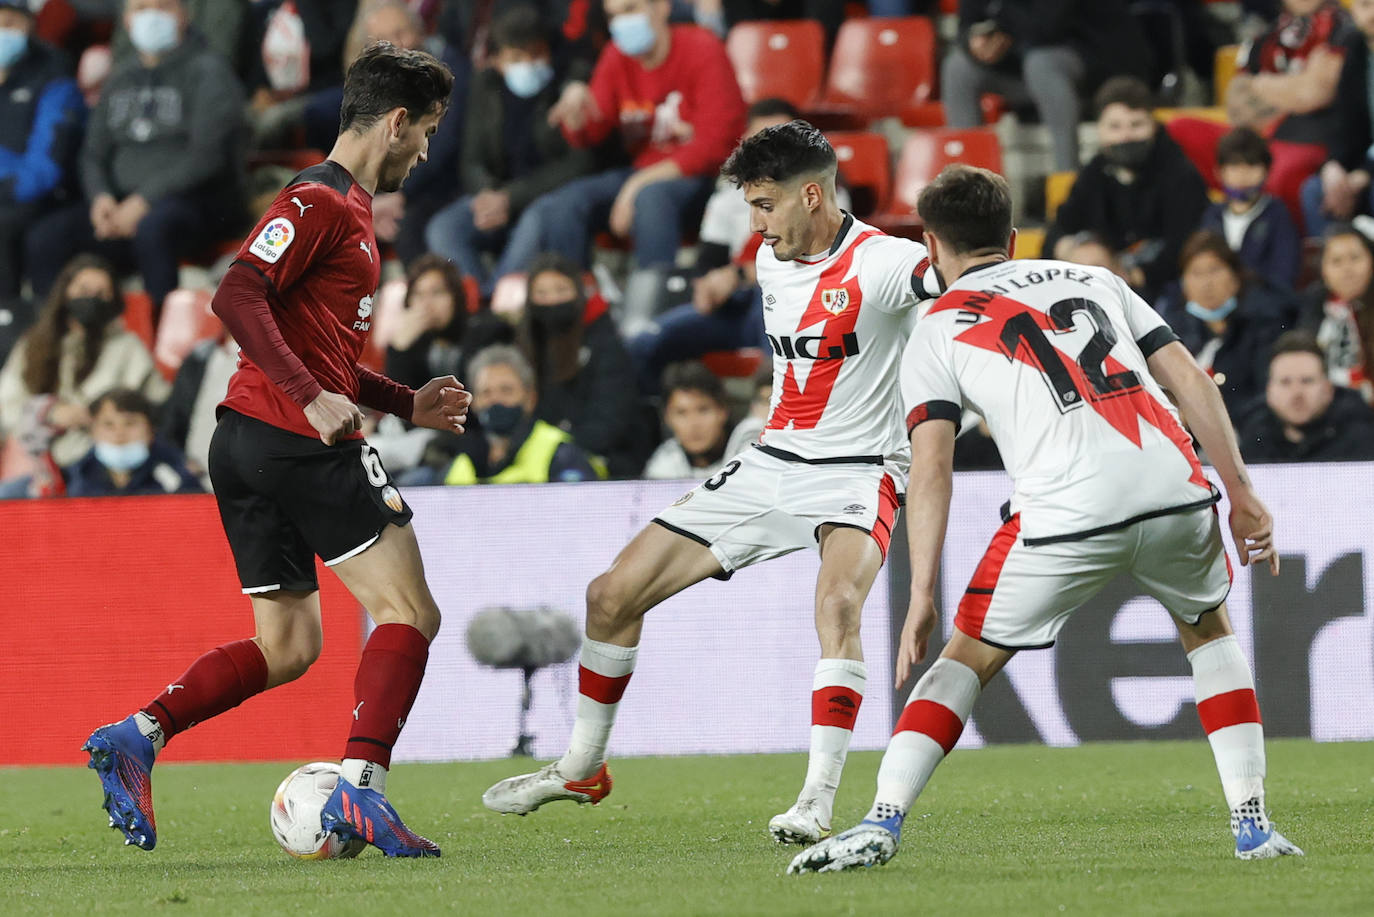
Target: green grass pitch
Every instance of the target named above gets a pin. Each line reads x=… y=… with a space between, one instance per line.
x=1103 y=829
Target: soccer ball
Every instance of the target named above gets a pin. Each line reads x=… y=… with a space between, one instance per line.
x=296 y=814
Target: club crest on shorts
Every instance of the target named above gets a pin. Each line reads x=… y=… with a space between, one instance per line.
x=392 y=498
x=273 y=240
x=835 y=300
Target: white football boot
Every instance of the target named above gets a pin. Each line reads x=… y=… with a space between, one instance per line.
x=527 y=792
x=1256 y=838
x=807 y=822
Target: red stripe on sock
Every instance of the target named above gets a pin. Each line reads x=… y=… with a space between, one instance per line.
x=1229 y=709
x=835 y=706
x=601 y=688
x=931 y=719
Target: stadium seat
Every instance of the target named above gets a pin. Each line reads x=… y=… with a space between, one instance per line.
x=932 y=113
x=186 y=321
x=138 y=316
x=1057 y=188
x=878 y=68
x=783 y=59
x=865 y=168
x=734 y=364
x=1030 y=243
x=923 y=155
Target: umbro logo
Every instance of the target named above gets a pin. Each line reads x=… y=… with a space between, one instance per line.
x=855 y=508
x=843 y=701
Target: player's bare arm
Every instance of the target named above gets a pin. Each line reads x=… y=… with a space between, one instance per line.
x=1252 y=526
x=927 y=514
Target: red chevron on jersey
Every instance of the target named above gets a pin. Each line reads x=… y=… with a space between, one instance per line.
x=1123 y=410
x=835 y=302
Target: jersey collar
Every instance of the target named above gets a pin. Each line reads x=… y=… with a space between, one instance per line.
x=845 y=225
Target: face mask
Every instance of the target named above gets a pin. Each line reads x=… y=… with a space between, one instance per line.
x=92 y=311
x=1243 y=195
x=12 y=45
x=1129 y=155
x=153 y=31
x=1212 y=315
x=527 y=79
x=558 y=317
x=501 y=419
x=124 y=457
x=633 y=33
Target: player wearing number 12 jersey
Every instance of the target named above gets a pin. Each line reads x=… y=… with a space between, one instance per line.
x=292 y=475
x=826 y=472
x=1062 y=362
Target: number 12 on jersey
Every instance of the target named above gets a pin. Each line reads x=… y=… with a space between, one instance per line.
x=1069 y=384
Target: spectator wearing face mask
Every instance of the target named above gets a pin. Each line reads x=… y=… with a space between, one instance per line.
x=1140 y=193
x=126 y=458
x=77 y=349
x=511 y=155
x=1337 y=309
x=1226 y=317
x=1303 y=417
x=697 y=413
x=585 y=377
x=1256 y=225
x=514 y=446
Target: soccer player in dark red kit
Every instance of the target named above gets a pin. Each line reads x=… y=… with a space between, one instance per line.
x=292 y=474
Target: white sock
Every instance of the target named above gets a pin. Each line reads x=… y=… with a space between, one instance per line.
x=603 y=672
x=837 y=691
x=1226 y=704
x=152 y=731
x=930 y=724
x=364 y=774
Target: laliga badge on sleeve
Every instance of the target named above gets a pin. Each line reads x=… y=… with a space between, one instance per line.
x=274 y=239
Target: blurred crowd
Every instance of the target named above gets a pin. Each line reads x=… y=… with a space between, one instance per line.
x=568 y=251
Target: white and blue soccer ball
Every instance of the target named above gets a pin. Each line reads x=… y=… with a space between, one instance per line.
x=296 y=809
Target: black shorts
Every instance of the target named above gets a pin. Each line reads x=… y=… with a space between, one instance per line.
x=284 y=498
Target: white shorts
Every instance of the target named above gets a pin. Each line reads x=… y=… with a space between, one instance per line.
x=1021 y=596
x=759 y=506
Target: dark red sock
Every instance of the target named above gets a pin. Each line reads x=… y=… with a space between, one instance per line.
x=218 y=681
x=389 y=676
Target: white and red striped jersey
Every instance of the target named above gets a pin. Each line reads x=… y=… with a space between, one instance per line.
x=835 y=326
x=1053 y=356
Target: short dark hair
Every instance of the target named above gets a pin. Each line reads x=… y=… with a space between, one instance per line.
x=692 y=376
x=968 y=208
x=557 y=263
x=384 y=78
x=1124 y=90
x=1299 y=340
x=779 y=154
x=1211 y=242
x=1242 y=146
x=772 y=107
x=124 y=400
x=519 y=27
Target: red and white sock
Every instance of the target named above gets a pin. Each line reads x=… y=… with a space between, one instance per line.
x=603 y=671
x=837 y=691
x=218 y=681
x=384 y=690
x=1230 y=716
x=928 y=728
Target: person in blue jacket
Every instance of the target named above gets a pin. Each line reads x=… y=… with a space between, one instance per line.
x=127 y=459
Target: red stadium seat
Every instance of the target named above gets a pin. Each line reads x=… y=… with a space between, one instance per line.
x=138 y=316
x=879 y=67
x=186 y=321
x=783 y=59
x=923 y=155
x=734 y=364
x=865 y=168
x=932 y=113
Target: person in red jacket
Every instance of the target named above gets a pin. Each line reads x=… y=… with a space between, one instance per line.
x=668 y=95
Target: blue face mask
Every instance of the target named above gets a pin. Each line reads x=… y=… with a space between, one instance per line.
x=1212 y=315
x=125 y=457
x=527 y=79
x=13 y=43
x=633 y=33
x=153 y=31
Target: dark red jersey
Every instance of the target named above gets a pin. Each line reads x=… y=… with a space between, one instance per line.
x=317 y=252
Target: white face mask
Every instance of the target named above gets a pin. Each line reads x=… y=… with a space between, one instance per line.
x=154 y=31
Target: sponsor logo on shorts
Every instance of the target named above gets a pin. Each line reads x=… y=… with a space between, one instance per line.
x=684 y=498
x=855 y=509
x=392 y=498
x=274 y=239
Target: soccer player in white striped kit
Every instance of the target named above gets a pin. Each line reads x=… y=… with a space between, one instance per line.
x=1065 y=364
x=826 y=473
